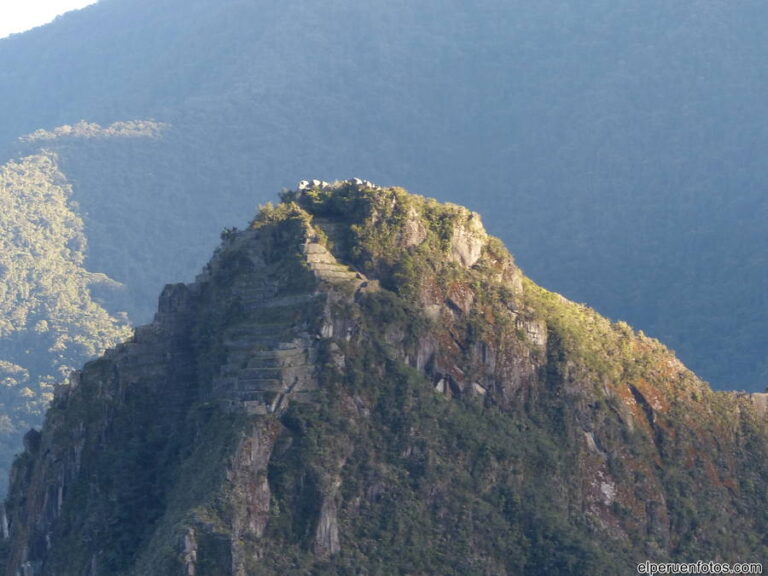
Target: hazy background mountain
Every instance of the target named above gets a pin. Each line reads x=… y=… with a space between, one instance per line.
x=616 y=146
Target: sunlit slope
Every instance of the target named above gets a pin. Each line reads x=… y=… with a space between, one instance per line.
x=49 y=320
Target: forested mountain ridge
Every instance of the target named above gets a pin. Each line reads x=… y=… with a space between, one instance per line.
x=88 y=211
x=133 y=192
x=49 y=319
x=364 y=381
x=614 y=144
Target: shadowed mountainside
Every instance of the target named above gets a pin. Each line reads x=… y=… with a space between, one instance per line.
x=363 y=380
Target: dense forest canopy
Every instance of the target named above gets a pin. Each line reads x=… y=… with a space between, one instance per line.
x=49 y=321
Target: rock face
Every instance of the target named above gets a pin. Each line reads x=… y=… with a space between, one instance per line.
x=364 y=382
x=467 y=241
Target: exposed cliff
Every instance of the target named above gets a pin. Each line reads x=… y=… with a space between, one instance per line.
x=363 y=382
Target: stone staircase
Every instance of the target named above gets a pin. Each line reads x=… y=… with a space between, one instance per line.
x=327 y=268
x=270 y=354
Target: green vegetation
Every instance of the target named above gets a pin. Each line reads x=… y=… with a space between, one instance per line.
x=461 y=484
x=49 y=321
x=429 y=486
x=465 y=421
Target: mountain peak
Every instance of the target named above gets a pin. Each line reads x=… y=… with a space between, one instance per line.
x=361 y=379
x=374 y=227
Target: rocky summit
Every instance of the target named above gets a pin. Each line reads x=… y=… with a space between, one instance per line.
x=363 y=382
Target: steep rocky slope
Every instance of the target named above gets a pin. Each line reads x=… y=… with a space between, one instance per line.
x=363 y=382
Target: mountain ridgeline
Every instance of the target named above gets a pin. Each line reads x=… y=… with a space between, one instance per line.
x=364 y=382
